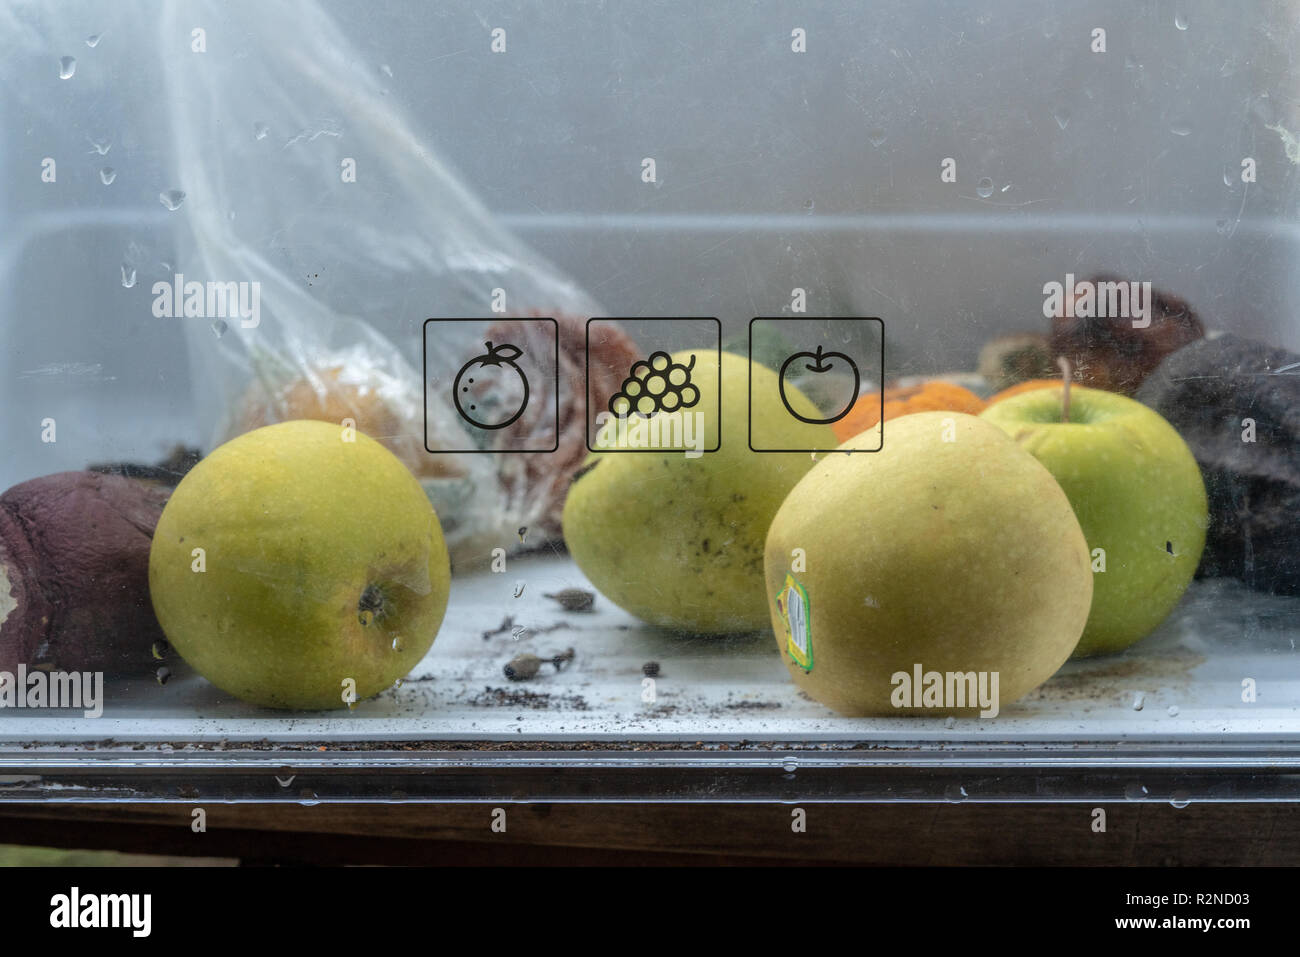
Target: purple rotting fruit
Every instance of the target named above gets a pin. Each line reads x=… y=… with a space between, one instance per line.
x=74 y=573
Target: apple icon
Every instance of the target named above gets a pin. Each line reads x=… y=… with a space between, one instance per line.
x=1137 y=493
x=822 y=363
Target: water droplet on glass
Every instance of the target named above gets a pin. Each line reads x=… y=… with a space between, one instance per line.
x=1229 y=177
x=1180 y=799
x=950 y=722
x=1181 y=128
x=1131 y=62
x=877 y=136
x=92 y=41
x=790 y=767
x=385 y=69
x=128 y=276
x=162 y=674
x=171 y=198
x=1134 y=792
x=260 y=131
x=1173 y=711
x=808 y=205
x=107 y=175
x=1221 y=225
x=67 y=67
x=101 y=146
x=985 y=188
x=398 y=643
x=1062 y=117
x=955 y=794
x=219 y=327
x=308 y=797
x=1139 y=701
x=160 y=649
x=1181 y=21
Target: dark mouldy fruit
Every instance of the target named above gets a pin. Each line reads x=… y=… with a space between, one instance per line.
x=591 y=366
x=1010 y=360
x=74 y=573
x=1208 y=391
x=168 y=472
x=1109 y=353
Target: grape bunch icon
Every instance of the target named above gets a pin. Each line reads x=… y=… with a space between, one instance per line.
x=655 y=385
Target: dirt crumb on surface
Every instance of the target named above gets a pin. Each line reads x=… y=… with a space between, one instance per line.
x=1103 y=680
x=519 y=698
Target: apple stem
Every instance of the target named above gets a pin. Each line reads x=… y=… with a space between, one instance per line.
x=1067 y=374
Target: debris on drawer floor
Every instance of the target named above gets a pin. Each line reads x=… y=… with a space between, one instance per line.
x=1182 y=681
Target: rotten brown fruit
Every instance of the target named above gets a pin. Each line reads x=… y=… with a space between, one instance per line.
x=74 y=573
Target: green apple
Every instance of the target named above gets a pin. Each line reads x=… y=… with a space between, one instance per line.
x=1137 y=492
x=949 y=552
x=300 y=566
x=676 y=539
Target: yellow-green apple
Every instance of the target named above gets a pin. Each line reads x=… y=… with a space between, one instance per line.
x=948 y=562
x=1137 y=492
x=676 y=537
x=300 y=565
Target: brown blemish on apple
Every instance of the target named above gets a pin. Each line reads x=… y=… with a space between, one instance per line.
x=373 y=606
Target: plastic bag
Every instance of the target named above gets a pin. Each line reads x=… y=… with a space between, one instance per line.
x=301 y=176
x=318 y=228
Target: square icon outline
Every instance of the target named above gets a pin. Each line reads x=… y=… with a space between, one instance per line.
x=424 y=372
x=749 y=404
x=586 y=368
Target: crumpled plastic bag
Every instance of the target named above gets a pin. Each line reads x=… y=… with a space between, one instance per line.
x=266 y=145
x=296 y=183
x=291 y=174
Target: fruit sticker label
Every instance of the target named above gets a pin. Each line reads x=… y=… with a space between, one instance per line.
x=796 y=616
